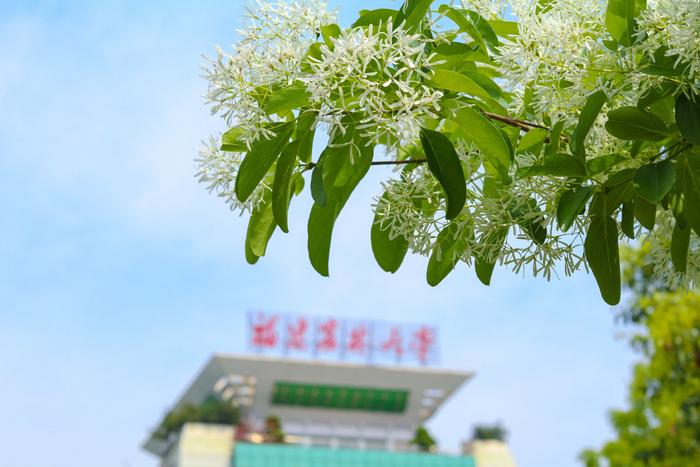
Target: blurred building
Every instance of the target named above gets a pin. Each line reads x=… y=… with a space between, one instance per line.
x=332 y=414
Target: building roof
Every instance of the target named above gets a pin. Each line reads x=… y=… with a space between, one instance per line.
x=424 y=389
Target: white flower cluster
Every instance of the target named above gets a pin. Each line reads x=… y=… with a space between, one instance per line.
x=675 y=26
x=408 y=206
x=557 y=53
x=375 y=73
x=218 y=170
x=269 y=54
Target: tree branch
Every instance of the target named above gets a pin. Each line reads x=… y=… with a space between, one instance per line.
x=527 y=126
x=311 y=165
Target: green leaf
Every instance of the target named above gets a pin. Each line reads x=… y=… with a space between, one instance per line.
x=487 y=137
x=304 y=133
x=627 y=223
x=661 y=64
x=444 y=163
x=259 y=160
x=260 y=228
x=451 y=243
x=474 y=25
x=484 y=82
x=653 y=181
x=632 y=123
x=389 y=252
x=344 y=163
x=454 y=81
x=288 y=98
x=281 y=186
x=464 y=23
x=231 y=140
x=688 y=118
x=318 y=192
x=691 y=189
x=680 y=242
x=374 y=17
x=529 y=219
x=603 y=257
x=620 y=19
x=571 y=204
x=532 y=142
x=645 y=212
x=412 y=13
x=330 y=32
x=656 y=93
x=543 y=6
x=554 y=138
x=485 y=29
x=505 y=28
x=590 y=112
x=482 y=266
x=558 y=165
x=617 y=190
x=603 y=163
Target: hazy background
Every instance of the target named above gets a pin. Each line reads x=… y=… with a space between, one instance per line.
x=119 y=275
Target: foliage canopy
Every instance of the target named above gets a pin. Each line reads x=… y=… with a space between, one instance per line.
x=528 y=134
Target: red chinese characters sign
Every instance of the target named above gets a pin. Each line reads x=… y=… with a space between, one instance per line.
x=346 y=339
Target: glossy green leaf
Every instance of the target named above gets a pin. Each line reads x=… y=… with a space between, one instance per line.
x=451 y=243
x=627 y=222
x=620 y=19
x=645 y=212
x=602 y=163
x=661 y=64
x=487 y=84
x=389 y=252
x=504 y=28
x=260 y=228
x=444 y=163
x=632 y=123
x=304 y=133
x=607 y=201
x=571 y=204
x=330 y=32
x=454 y=81
x=691 y=189
x=411 y=13
x=558 y=165
x=231 y=140
x=653 y=181
x=259 y=160
x=680 y=242
x=688 y=118
x=318 y=192
x=487 y=137
x=282 y=184
x=341 y=172
x=288 y=98
x=554 y=139
x=375 y=17
x=532 y=142
x=461 y=19
x=603 y=257
x=482 y=265
x=589 y=113
x=528 y=216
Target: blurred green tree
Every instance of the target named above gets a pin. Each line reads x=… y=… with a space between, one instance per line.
x=423 y=440
x=661 y=427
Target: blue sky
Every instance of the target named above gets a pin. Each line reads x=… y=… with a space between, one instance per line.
x=119 y=275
